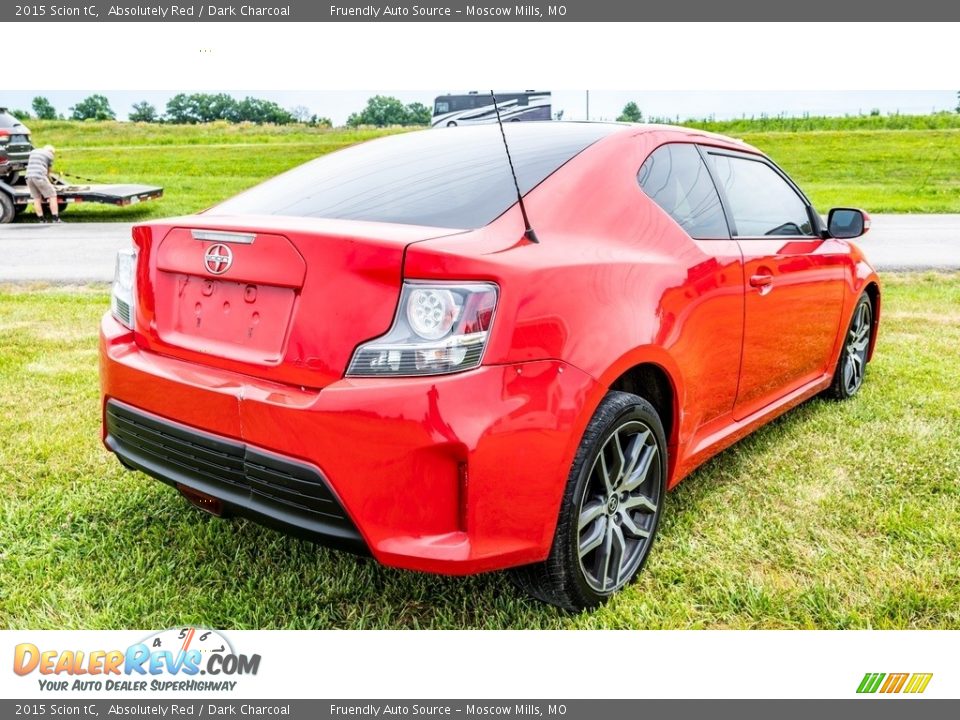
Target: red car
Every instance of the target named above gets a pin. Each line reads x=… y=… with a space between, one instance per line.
x=375 y=351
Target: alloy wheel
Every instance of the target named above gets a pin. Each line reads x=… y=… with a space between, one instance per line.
x=618 y=508
x=855 y=349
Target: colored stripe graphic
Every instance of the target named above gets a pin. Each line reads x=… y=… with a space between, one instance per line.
x=918 y=683
x=894 y=683
x=870 y=682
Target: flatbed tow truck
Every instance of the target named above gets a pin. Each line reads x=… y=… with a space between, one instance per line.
x=14 y=198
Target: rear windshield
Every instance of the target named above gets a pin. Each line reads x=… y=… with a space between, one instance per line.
x=451 y=177
x=9 y=122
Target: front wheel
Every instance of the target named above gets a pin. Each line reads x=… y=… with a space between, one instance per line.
x=610 y=510
x=852 y=365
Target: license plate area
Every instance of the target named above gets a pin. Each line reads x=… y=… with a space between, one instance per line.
x=241 y=321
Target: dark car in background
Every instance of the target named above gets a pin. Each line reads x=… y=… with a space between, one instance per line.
x=15 y=147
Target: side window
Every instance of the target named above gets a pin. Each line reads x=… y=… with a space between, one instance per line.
x=676 y=179
x=761 y=202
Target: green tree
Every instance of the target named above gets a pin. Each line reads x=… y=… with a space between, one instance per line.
x=203 y=107
x=318 y=121
x=179 y=110
x=43 y=109
x=958 y=101
x=255 y=110
x=207 y=108
x=631 y=113
x=418 y=114
x=143 y=112
x=383 y=110
x=95 y=107
x=20 y=114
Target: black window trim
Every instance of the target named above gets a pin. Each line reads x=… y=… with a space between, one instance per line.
x=815 y=222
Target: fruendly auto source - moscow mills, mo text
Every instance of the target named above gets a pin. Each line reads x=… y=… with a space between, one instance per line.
x=458 y=12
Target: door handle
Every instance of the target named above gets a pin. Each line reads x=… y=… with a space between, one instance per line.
x=761 y=281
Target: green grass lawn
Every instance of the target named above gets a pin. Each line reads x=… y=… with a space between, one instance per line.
x=838 y=515
x=197 y=165
x=881 y=171
x=873 y=163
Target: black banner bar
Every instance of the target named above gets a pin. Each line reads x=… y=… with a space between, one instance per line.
x=481 y=11
x=872 y=708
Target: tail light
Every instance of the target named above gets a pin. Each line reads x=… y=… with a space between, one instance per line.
x=123 y=292
x=439 y=328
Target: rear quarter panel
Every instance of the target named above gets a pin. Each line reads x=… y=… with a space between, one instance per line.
x=614 y=282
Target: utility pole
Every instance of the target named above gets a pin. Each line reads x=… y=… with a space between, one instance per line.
x=588 y=105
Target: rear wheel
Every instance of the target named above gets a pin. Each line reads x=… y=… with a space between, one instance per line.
x=610 y=510
x=852 y=365
x=7 y=210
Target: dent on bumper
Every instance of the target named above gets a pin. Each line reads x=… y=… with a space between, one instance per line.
x=455 y=474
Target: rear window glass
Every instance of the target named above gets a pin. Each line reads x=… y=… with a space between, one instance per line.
x=451 y=177
x=8 y=122
x=675 y=178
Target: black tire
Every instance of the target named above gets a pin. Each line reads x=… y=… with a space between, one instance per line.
x=7 y=210
x=452 y=123
x=578 y=581
x=62 y=207
x=852 y=364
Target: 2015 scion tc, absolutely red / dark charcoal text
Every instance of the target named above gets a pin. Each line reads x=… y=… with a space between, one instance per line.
x=401 y=349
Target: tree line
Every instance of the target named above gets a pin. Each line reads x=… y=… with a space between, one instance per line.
x=195 y=108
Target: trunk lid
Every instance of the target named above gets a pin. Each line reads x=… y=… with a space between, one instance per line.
x=280 y=298
x=15 y=147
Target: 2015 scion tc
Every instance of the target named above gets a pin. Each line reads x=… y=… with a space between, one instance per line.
x=399 y=350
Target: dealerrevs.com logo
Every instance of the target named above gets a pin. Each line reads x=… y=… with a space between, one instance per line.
x=179 y=659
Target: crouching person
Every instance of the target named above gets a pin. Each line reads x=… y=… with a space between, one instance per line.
x=39 y=165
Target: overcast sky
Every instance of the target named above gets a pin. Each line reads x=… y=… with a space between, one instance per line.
x=604 y=104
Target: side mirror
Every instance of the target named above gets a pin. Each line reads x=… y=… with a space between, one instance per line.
x=847 y=223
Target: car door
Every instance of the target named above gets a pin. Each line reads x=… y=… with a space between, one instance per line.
x=705 y=313
x=794 y=279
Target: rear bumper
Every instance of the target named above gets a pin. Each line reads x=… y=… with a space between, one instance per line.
x=456 y=474
x=282 y=493
x=11 y=163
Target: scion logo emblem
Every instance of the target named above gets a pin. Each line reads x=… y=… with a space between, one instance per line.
x=218 y=259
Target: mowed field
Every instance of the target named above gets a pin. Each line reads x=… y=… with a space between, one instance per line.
x=197 y=165
x=838 y=515
x=881 y=164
